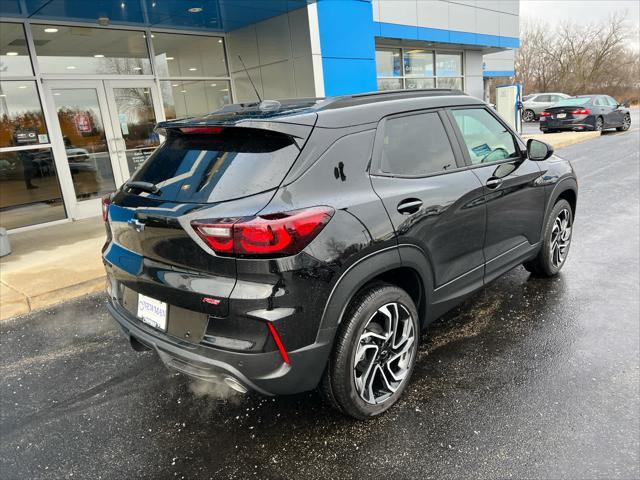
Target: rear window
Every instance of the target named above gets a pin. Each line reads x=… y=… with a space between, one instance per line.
x=572 y=102
x=213 y=167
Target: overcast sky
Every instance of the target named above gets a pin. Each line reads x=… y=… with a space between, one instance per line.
x=579 y=10
x=588 y=11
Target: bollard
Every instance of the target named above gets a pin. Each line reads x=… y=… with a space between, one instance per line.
x=5 y=246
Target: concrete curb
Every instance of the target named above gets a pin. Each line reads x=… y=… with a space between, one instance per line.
x=565 y=139
x=15 y=303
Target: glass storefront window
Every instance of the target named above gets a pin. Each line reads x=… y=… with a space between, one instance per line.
x=84 y=141
x=449 y=64
x=14 y=54
x=388 y=62
x=189 y=55
x=444 y=82
x=21 y=119
x=413 y=83
x=190 y=98
x=389 y=84
x=30 y=188
x=86 y=50
x=417 y=68
x=418 y=63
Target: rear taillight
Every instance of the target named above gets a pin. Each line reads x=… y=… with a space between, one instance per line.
x=545 y=114
x=581 y=111
x=106 y=201
x=273 y=235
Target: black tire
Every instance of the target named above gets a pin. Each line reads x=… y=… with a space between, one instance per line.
x=548 y=131
x=599 y=124
x=544 y=264
x=626 y=125
x=338 y=384
x=529 y=116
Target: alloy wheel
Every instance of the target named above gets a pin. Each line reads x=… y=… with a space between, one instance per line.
x=384 y=353
x=528 y=116
x=599 y=124
x=560 y=238
x=626 y=123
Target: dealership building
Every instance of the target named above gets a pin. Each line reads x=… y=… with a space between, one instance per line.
x=82 y=83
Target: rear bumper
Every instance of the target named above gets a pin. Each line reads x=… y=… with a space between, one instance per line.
x=570 y=127
x=265 y=373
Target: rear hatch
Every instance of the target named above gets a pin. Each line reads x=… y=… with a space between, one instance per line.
x=198 y=172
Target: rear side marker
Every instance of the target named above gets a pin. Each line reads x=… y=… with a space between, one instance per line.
x=276 y=338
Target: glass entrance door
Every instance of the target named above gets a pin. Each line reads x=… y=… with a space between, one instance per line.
x=134 y=109
x=104 y=130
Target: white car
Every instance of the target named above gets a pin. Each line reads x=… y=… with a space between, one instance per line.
x=535 y=103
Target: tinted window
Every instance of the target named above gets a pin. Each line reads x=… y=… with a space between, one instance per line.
x=213 y=167
x=487 y=140
x=416 y=145
x=573 y=102
x=599 y=101
x=543 y=98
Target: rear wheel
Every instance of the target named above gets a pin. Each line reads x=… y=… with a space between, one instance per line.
x=556 y=242
x=626 y=124
x=374 y=352
x=528 y=116
x=599 y=124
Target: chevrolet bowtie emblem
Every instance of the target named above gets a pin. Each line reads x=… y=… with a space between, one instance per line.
x=136 y=224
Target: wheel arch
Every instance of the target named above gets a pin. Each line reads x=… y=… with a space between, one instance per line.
x=388 y=265
x=566 y=189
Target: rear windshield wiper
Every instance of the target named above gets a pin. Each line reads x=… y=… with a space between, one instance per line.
x=144 y=186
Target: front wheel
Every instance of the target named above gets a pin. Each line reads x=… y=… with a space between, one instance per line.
x=555 y=243
x=374 y=353
x=626 y=124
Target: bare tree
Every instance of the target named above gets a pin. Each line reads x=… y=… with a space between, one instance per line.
x=579 y=59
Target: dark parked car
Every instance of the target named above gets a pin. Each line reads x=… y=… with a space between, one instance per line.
x=586 y=112
x=283 y=246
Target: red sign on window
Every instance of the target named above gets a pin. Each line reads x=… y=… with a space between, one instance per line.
x=83 y=123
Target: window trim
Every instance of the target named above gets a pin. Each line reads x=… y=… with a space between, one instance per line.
x=376 y=164
x=517 y=141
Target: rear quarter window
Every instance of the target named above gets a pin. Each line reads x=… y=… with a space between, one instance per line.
x=213 y=167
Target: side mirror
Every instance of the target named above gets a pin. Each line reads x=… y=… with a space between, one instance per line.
x=538 y=151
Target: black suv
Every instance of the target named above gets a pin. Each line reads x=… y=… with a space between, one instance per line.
x=284 y=246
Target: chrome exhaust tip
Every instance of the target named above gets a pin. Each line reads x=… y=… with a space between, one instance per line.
x=235 y=384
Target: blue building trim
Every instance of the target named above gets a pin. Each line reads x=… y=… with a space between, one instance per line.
x=498 y=73
x=347 y=42
x=408 y=32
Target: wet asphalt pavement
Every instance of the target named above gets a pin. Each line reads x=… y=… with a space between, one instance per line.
x=529 y=378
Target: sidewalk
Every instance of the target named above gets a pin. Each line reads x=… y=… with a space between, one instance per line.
x=51 y=265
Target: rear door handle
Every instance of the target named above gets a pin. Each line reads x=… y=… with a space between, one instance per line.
x=494 y=182
x=409 y=205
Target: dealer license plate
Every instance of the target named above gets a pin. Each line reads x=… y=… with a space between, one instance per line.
x=152 y=312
